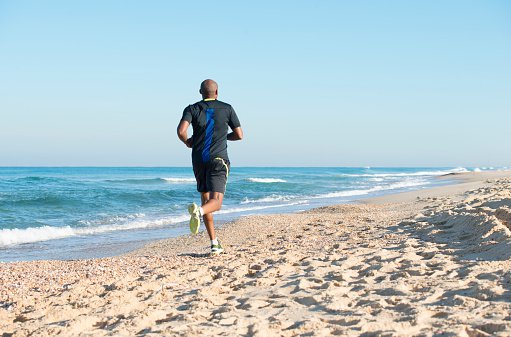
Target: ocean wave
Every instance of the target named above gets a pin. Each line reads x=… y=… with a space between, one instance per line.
x=484 y=168
x=135 y=181
x=172 y=180
x=36 y=179
x=112 y=219
x=266 y=180
x=9 y=237
x=43 y=200
x=257 y=208
x=86 y=200
x=271 y=198
x=179 y=180
x=16 y=236
x=352 y=193
x=405 y=174
x=40 y=178
x=34 y=234
x=348 y=193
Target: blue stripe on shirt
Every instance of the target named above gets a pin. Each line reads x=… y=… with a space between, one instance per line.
x=210 y=126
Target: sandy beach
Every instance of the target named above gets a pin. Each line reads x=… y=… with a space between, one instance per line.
x=432 y=262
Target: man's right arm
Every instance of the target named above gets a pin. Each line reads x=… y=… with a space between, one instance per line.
x=182 y=128
x=182 y=133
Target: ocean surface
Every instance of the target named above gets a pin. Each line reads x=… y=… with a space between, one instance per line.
x=86 y=212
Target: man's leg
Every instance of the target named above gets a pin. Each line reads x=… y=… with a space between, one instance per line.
x=214 y=179
x=211 y=202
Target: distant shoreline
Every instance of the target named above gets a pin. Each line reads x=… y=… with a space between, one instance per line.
x=462 y=181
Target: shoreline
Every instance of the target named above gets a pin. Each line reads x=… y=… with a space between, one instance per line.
x=415 y=263
x=74 y=244
x=461 y=181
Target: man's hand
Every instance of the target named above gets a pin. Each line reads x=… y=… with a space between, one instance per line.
x=189 y=142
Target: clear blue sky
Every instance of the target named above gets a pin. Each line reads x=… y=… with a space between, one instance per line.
x=315 y=83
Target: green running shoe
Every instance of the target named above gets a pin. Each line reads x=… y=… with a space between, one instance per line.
x=217 y=249
x=193 y=209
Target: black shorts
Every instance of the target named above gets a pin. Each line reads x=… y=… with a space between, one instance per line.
x=212 y=176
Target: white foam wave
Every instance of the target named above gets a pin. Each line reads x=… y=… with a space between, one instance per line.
x=477 y=169
x=17 y=236
x=406 y=184
x=266 y=180
x=35 y=234
x=113 y=220
x=179 y=180
x=271 y=198
x=403 y=174
x=256 y=208
x=351 y=193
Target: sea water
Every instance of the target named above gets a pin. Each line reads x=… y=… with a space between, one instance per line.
x=86 y=212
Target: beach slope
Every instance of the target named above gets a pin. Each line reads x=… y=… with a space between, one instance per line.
x=423 y=263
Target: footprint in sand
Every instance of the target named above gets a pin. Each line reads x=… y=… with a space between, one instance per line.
x=252 y=303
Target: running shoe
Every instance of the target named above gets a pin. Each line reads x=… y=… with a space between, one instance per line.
x=217 y=249
x=193 y=209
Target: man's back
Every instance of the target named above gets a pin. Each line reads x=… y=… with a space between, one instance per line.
x=211 y=120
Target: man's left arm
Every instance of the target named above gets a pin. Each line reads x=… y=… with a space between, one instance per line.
x=236 y=134
x=235 y=125
x=182 y=128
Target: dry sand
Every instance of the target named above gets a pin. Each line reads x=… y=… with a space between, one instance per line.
x=431 y=263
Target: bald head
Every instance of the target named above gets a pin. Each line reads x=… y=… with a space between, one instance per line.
x=208 y=89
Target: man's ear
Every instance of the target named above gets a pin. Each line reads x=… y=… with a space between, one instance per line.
x=200 y=91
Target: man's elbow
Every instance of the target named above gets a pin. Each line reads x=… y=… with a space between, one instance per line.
x=181 y=133
x=239 y=134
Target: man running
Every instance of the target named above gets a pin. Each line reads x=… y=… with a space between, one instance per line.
x=210 y=120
